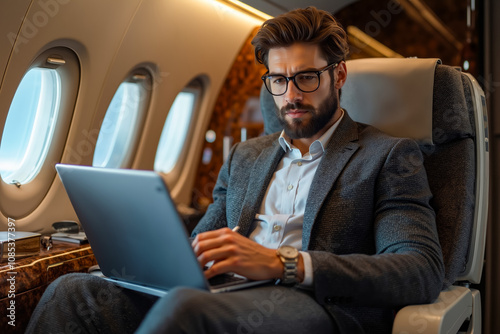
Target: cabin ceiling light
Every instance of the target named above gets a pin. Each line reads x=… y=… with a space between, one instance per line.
x=368 y=44
x=247 y=9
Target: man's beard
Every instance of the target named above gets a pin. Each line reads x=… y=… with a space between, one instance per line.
x=299 y=128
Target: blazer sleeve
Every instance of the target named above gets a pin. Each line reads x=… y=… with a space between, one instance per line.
x=407 y=266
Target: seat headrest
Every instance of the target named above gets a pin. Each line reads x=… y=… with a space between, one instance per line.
x=393 y=94
x=268 y=109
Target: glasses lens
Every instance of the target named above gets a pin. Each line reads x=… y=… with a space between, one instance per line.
x=276 y=84
x=307 y=81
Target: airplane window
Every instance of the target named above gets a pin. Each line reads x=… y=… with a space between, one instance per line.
x=175 y=130
x=30 y=125
x=114 y=137
x=121 y=124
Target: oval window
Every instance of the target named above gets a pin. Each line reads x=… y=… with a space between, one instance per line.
x=176 y=129
x=121 y=124
x=30 y=125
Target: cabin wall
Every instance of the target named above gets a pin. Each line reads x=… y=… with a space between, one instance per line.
x=175 y=41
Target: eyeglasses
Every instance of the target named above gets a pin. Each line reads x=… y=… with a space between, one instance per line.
x=306 y=82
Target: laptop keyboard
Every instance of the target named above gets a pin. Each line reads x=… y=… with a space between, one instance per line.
x=225 y=280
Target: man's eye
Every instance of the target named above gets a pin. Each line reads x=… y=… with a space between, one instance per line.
x=307 y=77
x=278 y=80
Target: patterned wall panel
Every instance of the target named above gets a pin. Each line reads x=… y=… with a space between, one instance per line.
x=237 y=107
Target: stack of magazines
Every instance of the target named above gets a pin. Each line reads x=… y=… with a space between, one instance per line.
x=69 y=231
x=77 y=238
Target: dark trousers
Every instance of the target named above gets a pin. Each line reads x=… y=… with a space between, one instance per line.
x=83 y=303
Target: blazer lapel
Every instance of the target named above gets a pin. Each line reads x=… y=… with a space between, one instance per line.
x=339 y=150
x=260 y=176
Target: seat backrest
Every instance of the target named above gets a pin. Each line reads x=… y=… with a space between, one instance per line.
x=444 y=110
x=268 y=109
x=450 y=125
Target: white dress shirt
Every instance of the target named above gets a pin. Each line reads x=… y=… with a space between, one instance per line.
x=280 y=217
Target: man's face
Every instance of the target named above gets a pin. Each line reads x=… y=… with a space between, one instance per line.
x=303 y=115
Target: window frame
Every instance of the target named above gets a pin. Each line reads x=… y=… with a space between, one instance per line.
x=19 y=200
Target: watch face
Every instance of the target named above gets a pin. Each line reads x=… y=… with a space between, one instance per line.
x=289 y=252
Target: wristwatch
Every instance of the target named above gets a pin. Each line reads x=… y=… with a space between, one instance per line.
x=290 y=257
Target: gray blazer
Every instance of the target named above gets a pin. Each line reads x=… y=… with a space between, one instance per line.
x=368 y=224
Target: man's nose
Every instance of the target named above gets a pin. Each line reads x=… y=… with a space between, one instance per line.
x=293 y=94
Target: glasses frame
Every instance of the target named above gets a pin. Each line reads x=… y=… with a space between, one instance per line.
x=292 y=78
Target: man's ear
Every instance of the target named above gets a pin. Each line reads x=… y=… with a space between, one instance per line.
x=341 y=76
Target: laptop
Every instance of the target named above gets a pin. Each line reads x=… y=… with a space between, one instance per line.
x=135 y=231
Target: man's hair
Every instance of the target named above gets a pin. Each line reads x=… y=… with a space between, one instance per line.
x=309 y=25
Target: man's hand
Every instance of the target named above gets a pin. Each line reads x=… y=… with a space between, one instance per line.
x=232 y=252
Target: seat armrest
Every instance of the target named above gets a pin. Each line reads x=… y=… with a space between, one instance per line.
x=445 y=315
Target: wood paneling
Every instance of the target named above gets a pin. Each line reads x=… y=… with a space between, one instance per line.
x=30 y=276
x=238 y=94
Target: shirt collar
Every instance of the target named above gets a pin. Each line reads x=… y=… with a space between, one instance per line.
x=318 y=144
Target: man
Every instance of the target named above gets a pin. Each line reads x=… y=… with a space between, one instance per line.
x=326 y=186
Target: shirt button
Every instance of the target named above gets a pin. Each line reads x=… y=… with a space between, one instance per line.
x=290 y=187
x=277 y=227
x=299 y=163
